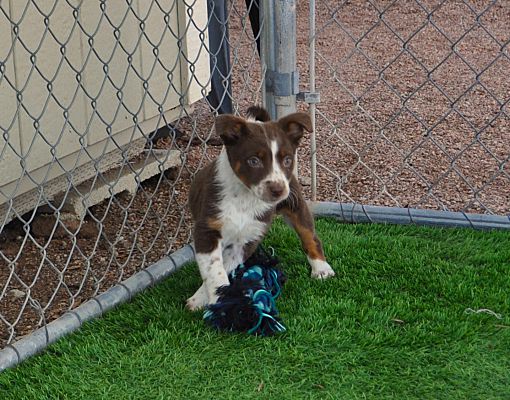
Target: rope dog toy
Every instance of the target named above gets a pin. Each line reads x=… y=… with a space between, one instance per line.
x=248 y=303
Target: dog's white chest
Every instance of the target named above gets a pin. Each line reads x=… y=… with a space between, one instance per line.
x=239 y=222
x=239 y=208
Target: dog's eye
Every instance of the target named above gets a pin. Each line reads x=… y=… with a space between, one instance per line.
x=287 y=161
x=254 y=162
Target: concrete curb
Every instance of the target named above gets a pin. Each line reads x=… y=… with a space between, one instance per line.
x=37 y=341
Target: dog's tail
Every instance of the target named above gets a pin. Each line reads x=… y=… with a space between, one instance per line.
x=258 y=113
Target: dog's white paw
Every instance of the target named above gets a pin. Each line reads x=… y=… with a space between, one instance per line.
x=199 y=300
x=193 y=304
x=321 y=269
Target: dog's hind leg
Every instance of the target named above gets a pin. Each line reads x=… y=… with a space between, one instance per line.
x=311 y=244
x=297 y=214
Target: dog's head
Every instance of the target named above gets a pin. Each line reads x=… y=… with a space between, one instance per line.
x=261 y=152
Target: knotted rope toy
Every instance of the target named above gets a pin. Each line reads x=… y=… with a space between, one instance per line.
x=248 y=303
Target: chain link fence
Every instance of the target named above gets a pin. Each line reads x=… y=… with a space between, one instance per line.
x=108 y=110
x=414 y=105
x=107 y=113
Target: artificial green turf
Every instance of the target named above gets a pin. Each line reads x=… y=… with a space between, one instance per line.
x=391 y=324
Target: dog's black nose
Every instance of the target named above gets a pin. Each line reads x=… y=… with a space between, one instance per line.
x=276 y=189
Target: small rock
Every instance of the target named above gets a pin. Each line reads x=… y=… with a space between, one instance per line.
x=16 y=293
x=305 y=181
x=44 y=224
x=215 y=141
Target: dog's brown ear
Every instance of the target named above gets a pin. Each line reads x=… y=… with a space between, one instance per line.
x=230 y=128
x=258 y=113
x=295 y=124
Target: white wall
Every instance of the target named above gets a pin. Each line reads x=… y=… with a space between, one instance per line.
x=39 y=128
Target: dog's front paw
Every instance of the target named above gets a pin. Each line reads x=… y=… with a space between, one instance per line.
x=193 y=304
x=199 y=300
x=321 y=269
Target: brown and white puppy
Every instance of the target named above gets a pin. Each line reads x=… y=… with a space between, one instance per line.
x=234 y=198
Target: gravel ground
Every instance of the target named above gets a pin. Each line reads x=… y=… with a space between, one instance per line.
x=402 y=121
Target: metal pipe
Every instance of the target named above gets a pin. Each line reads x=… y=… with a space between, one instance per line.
x=313 y=144
x=267 y=60
x=358 y=213
x=285 y=51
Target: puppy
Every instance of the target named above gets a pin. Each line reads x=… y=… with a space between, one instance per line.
x=234 y=198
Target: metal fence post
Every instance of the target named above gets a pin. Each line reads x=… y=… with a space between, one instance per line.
x=313 y=144
x=267 y=53
x=279 y=59
x=279 y=56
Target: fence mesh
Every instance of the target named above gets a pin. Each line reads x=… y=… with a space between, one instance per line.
x=107 y=113
x=108 y=108
x=414 y=105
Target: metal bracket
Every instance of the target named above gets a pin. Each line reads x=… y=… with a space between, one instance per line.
x=309 y=97
x=282 y=84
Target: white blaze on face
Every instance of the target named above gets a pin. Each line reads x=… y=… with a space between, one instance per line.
x=275 y=176
x=278 y=175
